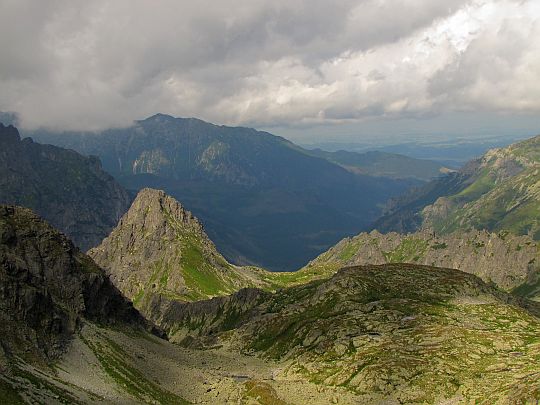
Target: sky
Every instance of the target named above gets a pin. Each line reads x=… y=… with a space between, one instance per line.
x=310 y=70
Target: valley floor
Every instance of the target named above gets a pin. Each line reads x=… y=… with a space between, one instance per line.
x=110 y=366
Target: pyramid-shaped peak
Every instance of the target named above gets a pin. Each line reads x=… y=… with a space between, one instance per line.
x=152 y=204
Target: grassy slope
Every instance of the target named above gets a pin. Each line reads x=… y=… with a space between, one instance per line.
x=497 y=202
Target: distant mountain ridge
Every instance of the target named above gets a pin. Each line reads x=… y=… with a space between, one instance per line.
x=69 y=190
x=384 y=164
x=499 y=191
x=263 y=200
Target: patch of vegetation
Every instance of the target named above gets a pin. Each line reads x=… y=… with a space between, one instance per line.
x=199 y=275
x=348 y=252
x=262 y=392
x=45 y=387
x=410 y=249
x=479 y=187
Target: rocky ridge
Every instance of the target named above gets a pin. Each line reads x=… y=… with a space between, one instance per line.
x=504 y=259
x=48 y=287
x=69 y=190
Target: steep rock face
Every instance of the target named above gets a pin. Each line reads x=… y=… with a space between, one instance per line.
x=504 y=259
x=396 y=333
x=47 y=288
x=70 y=191
x=159 y=248
x=499 y=191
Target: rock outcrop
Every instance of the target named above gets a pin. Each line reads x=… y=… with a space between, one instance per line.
x=69 y=190
x=507 y=260
x=48 y=288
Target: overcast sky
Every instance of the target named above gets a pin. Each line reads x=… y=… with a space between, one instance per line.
x=309 y=69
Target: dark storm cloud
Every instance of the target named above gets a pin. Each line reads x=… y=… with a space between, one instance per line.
x=87 y=65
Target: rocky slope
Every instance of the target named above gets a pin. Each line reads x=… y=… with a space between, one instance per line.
x=52 y=296
x=396 y=333
x=70 y=191
x=507 y=260
x=159 y=248
x=499 y=191
x=373 y=334
x=263 y=200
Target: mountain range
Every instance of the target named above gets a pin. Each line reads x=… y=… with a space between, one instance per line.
x=384 y=164
x=264 y=200
x=370 y=334
x=154 y=313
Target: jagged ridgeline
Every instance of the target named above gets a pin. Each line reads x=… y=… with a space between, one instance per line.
x=499 y=191
x=160 y=250
x=397 y=333
x=511 y=262
x=69 y=190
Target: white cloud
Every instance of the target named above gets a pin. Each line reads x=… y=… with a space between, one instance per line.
x=87 y=65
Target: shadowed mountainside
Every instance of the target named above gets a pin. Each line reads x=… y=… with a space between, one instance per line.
x=70 y=191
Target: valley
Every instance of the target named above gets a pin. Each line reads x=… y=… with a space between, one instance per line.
x=264 y=200
x=156 y=314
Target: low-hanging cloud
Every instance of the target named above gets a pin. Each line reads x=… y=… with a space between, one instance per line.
x=89 y=65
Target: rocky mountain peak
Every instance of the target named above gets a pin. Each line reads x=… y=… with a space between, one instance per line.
x=154 y=211
x=160 y=248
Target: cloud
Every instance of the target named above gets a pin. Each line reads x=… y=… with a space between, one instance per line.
x=87 y=65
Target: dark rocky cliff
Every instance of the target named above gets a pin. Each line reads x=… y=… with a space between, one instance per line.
x=48 y=287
